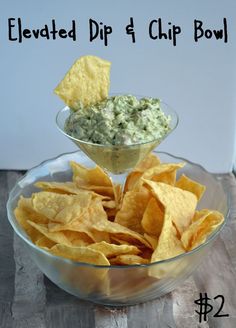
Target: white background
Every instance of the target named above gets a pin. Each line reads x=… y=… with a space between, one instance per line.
x=196 y=79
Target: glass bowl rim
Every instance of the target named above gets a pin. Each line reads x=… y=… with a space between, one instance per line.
x=67 y=108
x=126 y=267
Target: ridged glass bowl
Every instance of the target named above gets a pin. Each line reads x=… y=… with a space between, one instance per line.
x=115 y=285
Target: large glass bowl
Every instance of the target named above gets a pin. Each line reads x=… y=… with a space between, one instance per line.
x=117 y=159
x=115 y=285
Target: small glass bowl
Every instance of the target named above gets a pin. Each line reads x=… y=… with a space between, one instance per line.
x=115 y=285
x=117 y=159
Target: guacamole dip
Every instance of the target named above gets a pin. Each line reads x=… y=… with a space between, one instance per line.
x=119 y=120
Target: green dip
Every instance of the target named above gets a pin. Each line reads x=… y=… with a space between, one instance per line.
x=119 y=120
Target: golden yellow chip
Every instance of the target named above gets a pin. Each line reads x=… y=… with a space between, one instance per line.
x=151 y=239
x=199 y=214
x=45 y=243
x=57 y=237
x=59 y=187
x=96 y=180
x=201 y=228
x=111 y=250
x=188 y=184
x=83 y=211
x=131 y=180
x=110 y=208
x=84 y=223
x=77 y=238
x=128 y=259
x=165 y=172
x=118 y=241
x=168 y=244
x=118 y=194
x=80 y=254
x=181 y=204
x=87 y=82
x=109 y=204
x=105 y=192
x=121 y=232
x=26 y=205
x=149 y=161
x=22 y=217
x=132 y=209
x=153 y=217
x=51 y=204
x=82 y=227
x=24 y=212
x=84 y=176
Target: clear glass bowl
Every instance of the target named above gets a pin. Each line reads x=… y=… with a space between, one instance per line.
x=115 y=285
x=117 y=159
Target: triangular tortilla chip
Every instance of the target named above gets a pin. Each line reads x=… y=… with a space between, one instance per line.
x=180 y=204
x=197 y=233
x=188 y=184
x=87 y=82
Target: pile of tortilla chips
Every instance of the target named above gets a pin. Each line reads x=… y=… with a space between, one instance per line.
x=90 y=219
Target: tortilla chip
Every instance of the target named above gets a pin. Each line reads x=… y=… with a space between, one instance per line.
x=153 y=240
x=186 y=183
x=26 y=205
x=107 y=192
x=78 y=238
x=82 y=227
x=109 y=204
x=51 y=204
x=131 y=180
x=118 y=194
x=121 y=232
x=128 y=259
x=84 y=223
x=111 y=250
x=181 y=204
x=96 y=180
x=110 y=208
x=58 y=187
x=84 y=176
x=45 y=243
x=57 y=237
x=197 y=233
x=118 y=241
x=132 y=209
x=165 y=172
x=80 y=254
x=86 y=82
x=199 y=214
x=168 y=244
x=22 y=217
x=149 y=161
x=153 y=217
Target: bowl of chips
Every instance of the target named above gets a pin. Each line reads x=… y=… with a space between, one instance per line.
x=117 y=245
